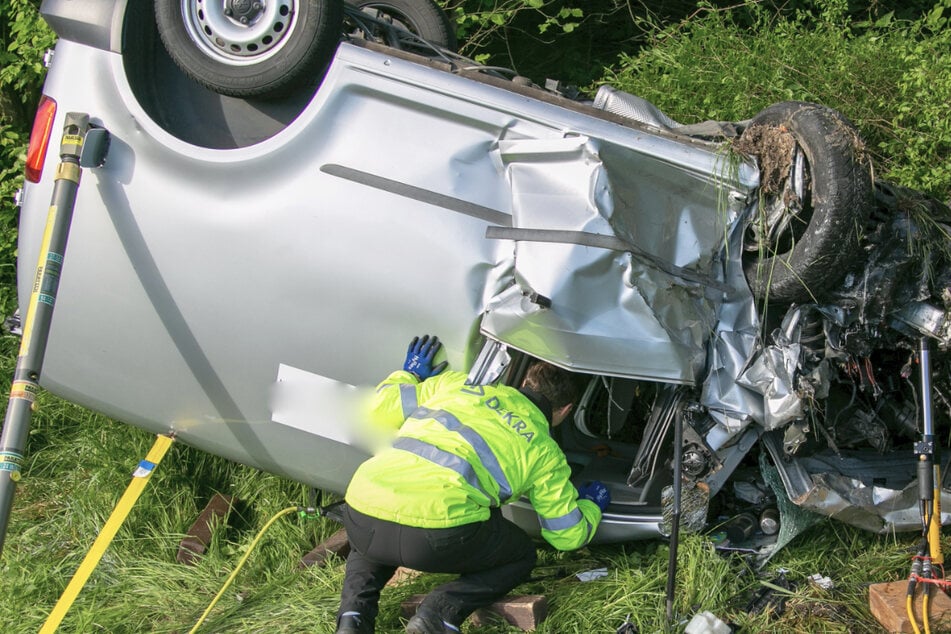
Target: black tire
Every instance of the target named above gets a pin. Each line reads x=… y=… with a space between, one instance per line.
x=423 y=18
x=830 y=196
x=285 y=46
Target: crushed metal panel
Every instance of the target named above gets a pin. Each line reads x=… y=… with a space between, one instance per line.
x=773 y=374
x=733 y=346
x=639 y=312
x=671 y=211
x=871 y=491
x=872 y=508
x=776 y=373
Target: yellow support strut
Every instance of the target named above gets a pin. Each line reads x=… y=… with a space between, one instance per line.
x=140 y=478
x=934 y=530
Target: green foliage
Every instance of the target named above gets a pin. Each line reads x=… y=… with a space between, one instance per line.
x=568 y=39
x=890 y=77
x=920 y=146
x=24 y=37
x=478 y=21
x=12 y=154
x=574 y=40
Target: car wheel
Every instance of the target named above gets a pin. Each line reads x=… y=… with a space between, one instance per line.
x=816 y=195
x=247 y=48
x=423 y=18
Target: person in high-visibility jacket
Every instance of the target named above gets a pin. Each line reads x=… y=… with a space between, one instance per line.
x=431 y=500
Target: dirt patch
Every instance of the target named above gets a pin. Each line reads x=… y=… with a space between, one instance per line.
x=773 y=146
x=812 y=609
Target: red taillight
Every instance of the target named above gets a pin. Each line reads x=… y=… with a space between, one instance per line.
x=40 y=139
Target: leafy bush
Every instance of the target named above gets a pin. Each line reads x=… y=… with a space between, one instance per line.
x=480 y=21
x=921 y=144
x=24 y=37
x=888 y=76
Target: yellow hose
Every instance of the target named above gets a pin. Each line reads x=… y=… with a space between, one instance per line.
x=909 y=607
x=237 y=569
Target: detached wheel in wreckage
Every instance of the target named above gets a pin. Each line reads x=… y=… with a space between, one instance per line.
x=816 y=195
x=251 y=48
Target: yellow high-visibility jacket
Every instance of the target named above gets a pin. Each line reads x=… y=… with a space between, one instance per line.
x=462 y=449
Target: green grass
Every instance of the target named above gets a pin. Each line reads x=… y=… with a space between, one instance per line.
x=80 y=463
x=139 y=587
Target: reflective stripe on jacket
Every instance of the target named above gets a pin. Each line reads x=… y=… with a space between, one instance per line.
x=460 y=450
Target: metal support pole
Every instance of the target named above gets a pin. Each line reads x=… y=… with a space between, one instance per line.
x=675 y=520
x=930 y=462
x=927 y=414
x=26 y=376
x=925 y=448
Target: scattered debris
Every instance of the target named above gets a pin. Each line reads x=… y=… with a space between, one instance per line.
x=773 y=146
x=821 y=582
x=591 y=575
x=771 y=595
x=707 y=623
x=13 y=324
x=627 y=627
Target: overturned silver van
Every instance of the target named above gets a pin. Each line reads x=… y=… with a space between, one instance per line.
x=293 y=192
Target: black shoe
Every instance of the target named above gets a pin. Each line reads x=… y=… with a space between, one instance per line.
x=353 y=624
x=425 y=621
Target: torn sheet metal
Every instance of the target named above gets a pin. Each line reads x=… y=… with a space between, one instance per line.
x=645 y=311
x=777 y=372
x=873 y=508
x=870 y=490
x=736 y=340
x=773 y=375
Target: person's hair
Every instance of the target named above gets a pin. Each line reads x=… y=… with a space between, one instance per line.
x=559 y=386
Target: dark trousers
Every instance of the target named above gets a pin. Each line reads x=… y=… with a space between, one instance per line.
x=491 y=557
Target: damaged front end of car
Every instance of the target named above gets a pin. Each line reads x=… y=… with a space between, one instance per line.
x=793 y=407
x=846 y=418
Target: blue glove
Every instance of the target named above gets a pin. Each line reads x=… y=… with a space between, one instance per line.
x=420 y=355
x=597 y=493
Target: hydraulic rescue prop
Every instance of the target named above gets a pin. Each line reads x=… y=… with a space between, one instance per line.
x=928 y=566
x=26 y=376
